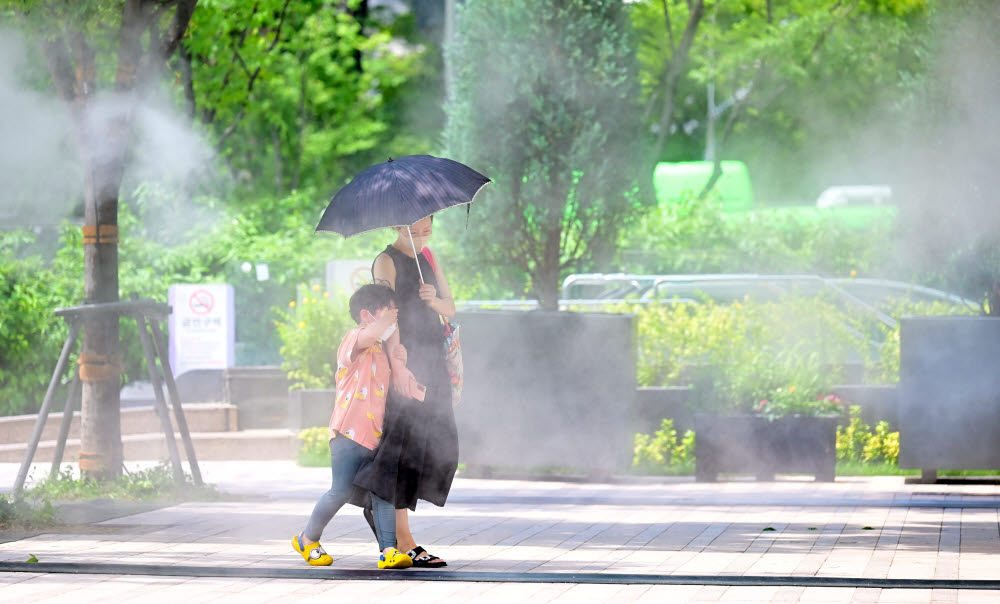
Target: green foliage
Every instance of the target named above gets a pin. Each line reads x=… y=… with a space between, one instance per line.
x=213 y=250
x=31 y=336
x=152 y=484
x=543 y=102
x=17 y=512
x=792 y=400
x=805 y=79
x=858 y=443
x=297 y=95
x=696 y=236
x=315 y=448
x=738 y=354
x=662 y=452
x=310 y=331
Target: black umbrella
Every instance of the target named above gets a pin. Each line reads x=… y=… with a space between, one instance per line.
x=400 y=192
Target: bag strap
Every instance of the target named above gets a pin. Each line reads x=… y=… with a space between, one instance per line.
x=430 y=260
x=429 y=256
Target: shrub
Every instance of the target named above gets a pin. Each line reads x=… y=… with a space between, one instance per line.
x=310 y=331
x=315 y=448
x=16 y=512
x=740 y=353
x=695 y=236
x=31 y=337
x=662 y=452
x=857 y=443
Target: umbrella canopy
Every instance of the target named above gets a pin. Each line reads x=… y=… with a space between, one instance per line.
x=400 y=192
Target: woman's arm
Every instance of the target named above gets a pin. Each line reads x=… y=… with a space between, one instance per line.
x=384 y=271
x=439 y=298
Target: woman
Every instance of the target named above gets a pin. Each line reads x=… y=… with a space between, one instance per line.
x=418 y=456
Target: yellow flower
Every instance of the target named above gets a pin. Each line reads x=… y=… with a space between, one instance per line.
x=854 y=273
x=791 y=388
x=315 y=287
x=291 y=304
x=326 y=294
x=302 y=324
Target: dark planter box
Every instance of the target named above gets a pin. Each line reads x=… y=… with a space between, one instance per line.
x=751 y=444
x=310 y=408
x=653 y=405
x=949 y=394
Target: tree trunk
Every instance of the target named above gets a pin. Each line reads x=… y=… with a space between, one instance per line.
x=548 y=270
x=103 y=145
x=675 y=68
x=100 y=358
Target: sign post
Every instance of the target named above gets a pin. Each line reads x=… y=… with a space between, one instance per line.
x=346 y=276
x=202 y=327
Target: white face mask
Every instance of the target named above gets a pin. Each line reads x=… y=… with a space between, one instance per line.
x=388 y=332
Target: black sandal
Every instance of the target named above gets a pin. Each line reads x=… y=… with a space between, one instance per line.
x=424 y=559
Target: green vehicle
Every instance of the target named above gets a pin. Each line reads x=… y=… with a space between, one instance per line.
x=854 y=206
x=675 y=181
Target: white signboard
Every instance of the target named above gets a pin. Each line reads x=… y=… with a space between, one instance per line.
x=347 y=275
x=202 y=327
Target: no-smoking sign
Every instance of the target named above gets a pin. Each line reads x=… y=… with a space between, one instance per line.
x=201 y=302
x=359 y=277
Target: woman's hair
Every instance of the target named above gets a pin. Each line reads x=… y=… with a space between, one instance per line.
x=371 y=297
x=406 y=226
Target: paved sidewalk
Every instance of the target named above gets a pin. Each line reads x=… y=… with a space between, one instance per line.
x=509 y=531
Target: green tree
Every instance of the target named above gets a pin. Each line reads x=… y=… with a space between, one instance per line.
x=295 y=94
x=91 y=48
x=773 y=83
x=543 y=102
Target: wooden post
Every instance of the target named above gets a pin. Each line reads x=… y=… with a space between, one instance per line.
x=161 y=404
x=175 y=399
x=67 y=419
x=43 y=413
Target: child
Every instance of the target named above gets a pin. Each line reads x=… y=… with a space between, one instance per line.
x=356 y=423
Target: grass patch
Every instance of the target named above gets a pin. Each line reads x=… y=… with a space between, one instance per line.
x=152 y=484
x=858 y=468
x=680 y=469
x=17 y=512
x=852 y=468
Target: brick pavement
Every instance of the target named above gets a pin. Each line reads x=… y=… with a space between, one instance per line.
x=874 y=528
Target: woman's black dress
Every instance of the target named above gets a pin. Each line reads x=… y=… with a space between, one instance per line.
x=418 y=455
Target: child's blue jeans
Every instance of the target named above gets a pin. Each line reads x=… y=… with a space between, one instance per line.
x=345 y=458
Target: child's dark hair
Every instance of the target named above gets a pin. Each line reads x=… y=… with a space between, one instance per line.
x=373 y=298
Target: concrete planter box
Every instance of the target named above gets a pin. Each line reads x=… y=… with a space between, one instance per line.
x=309 y=408
x=547 y=390
x=260 y=394
x=751 y=444
x=949 y=394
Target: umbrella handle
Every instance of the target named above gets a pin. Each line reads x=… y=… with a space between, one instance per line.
x=417 y=260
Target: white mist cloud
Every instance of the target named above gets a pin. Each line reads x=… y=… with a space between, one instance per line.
x=39 y=171
x=40 y=152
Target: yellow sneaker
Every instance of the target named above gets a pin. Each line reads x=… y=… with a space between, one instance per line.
x=394 y=559
x=314 y=554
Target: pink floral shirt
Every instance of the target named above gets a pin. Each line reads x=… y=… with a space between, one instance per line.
x=362 y=383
